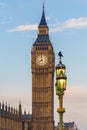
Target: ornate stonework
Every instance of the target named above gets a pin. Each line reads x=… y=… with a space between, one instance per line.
x=42 y=79
x=13 y=119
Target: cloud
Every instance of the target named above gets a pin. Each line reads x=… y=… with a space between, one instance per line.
x=70 y=23
x=24 y=28
x=74 y=23
x=77 y=23
x=30 y=27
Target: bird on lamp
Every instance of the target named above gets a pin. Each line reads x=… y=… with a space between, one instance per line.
x=60 y=54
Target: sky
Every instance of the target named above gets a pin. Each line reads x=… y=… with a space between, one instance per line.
x=67 y=21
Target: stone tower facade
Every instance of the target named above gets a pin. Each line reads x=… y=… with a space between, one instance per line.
x=42 y=56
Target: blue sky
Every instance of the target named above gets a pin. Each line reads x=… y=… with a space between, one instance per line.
x=67 y=22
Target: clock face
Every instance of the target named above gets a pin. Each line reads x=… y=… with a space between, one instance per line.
x=41 y=59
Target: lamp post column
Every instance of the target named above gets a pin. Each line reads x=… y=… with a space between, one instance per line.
x=61 y=110
x=60 y=88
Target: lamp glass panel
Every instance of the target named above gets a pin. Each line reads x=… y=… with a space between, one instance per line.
x=62 y=83
x=59 y=70
x=58 y=84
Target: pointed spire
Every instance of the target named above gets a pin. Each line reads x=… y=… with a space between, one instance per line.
x=43 y=5
x=20 y=109
x=6 y=107
x=43 y=19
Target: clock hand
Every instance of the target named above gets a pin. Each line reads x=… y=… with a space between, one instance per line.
x=40 y=60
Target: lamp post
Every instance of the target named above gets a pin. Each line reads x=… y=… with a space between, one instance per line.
x=60 y=88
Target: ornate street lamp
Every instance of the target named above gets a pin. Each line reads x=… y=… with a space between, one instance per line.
x=60 y=88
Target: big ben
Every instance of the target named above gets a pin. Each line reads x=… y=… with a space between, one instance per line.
x=42 y=56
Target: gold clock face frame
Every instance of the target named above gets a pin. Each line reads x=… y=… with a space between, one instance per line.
x=41 y=60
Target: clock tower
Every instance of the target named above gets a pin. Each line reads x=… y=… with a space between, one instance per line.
x=42 y=58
